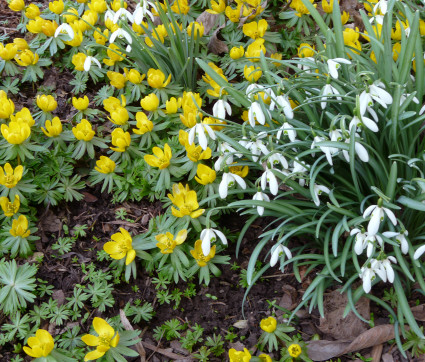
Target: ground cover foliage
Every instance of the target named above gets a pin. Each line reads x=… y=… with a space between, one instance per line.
x=304 y=114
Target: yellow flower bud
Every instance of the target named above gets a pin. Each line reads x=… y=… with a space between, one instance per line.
x=16 y=133
x=277 y=56
x=150 y=103
x=134 y=76
x=21 y=44
x=83 y=131
x=116 y=5
x=46 y=103
x=144 y=125
x=156 y=79
x=254 y=50
x=268 y=324
x=217 y=8
x=80 y=103
x=120 y=139
x=71 y=16
x=112 y=103
x=8 y=52
x=105 y=165
x=198 y=29
x=26 y=58
x=251 y=73
x=32 y=11
x=20 y=227
x=53 y=127
x=205 y=175
x=78 y=61
x=10 y=177
x=116 y=79
x=172 y=105
x=101 y=37
x=119 y=116
x=233 y=14
x=56 y=7
x=35 y=26
x=294 y=350
x=180 y=7
x=7 y=107
x=327 y=6
x=17 y=5
x=344 y=17
x=24 y=115
x=10 y=208
x=236 y=52
x=305 y=50
x=49 y=27
x=99 y=6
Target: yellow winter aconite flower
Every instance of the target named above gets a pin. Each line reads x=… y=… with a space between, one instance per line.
x=116 y=79
x=10 y=177
x=156 y=79
x=265 y=357
x=16 y=132
x=41 y=345
x=134 y=76
x=268 y=324
x=10 y=208
x=327 y=6
x=7 y=107
x=213 y=123
x=254 y=50
x=195 y=153
x=52 y=128
x=237 y=52
x=252 y=74
x=121 y=246
x=160 y=158
x=239 y=356
x=114 y=54
x=32 y=11
x=83 y=131
x=255 y=30
x=180 y=7
x=20 y=227
x=46 y=103
x=167 y=243
x=217 y=7
x=21 y=44
x=112 y=103
x=344 y=17
x=199 y=256
x=78 y=61
x=205 y=175
x=56 y=7
x=172 y=105
x=119 y=116
x=71 y=16
x=233 y=14
x=100 y=6
x=120 y=139
x=8 y=52
x=294 y=350
x=101 y=37
x=300 y=8
x=17 y=5
x=35 y=26
x=305 y=50
x=144 y=125
x=103 y=342
x=118 y=4
x=26 y=58
x=197 y=28
x=49 y=27
x=241 y=171
x=105 y=165
x=150 y=102
x=24 y=115
x=186 y=200
x=80 y=103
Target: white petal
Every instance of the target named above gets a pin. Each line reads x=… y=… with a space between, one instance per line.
x=221 y=236
x=370 y=124
x=275 y=255
x=240 y=181
x=419 y=251
x=368 y=211
x=222 y=189
x=206 y=246
x=375 y=221
x=361 y=152
x=87 y=63
x=391 y=216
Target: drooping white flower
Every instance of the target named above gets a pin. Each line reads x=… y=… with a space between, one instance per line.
x=377 y=215
x=121 y=33
x=385 y=270
x=328 y=151
x=142 y=9
x=276 y=159
x=335 y=64
x=376 y=93
x=256 y=114
x=364 y=241
x=65 y=29
x=268 y=177
x=255 y=146
x=226 y=155
x=220 y=109
x=199 y=130
x=288 y=130
x=229 y=180
x=422 y=110
x=328 y=91
x=419 y=251
x=277 y=252
x=209 y=236
x=381 y=7
x=261 y=196
x=400 y=238
x=88 y=62
x=299 y=168
x=253 y=89
x=367 y=274
x=359 y=149
x=370 y=124
x=123 y=14
x=318 y=190
x=283 y=103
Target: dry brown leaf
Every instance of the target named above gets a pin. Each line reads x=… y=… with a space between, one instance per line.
x=324 y=350
x=372 y=337
x=387 y=357
x=377 y=352
x=50 y=222
x=208 y=21
x=419 y=312
x=241 y=324
x=139 y=346
x=215 y=45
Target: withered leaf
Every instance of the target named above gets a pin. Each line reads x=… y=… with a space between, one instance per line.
x=208 y=21
x=324 y=350
x=372 y=337
x=215 y=45
x=419 y=312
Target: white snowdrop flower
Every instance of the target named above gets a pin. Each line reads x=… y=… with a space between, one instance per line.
x=256 y=147
x=379 y=19
x=277 y=252
x=367 y=274
x=261 y=196
x=199 y=130
x=385 y=270
x=253 y=89
x=318 y=190
x=364 y=240
x=277 y=159
x=328 y=151
x=88 y=62
x=123 y=14
x=381 y=7
x=209 y=236
x=229 y=180
x=220 y=109
x=404 y=96
x=369 y=123
x=109 y=15
x=300 y=168
x=419 y=251
x=226 y=155
x=400 y=238
x=359 y=149
x=328 y=91
x=308 y=64
x=335 y=64
x=268 y=177
x=287 y=130
x=422 y=110
x=256 y=114
x=120 y=33
x=142 y=9
x=65 y=29
x=375 y=93
x=377 y=215
x=283 y=103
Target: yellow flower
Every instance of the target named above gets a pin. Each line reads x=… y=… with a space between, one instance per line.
x=53 y=127
x=180 y=7
x=255 y=30
x=120 y=139
x=233 y=14
x=167 y=243
x=80 y=103
x=276 y=56
x=199 y=256
x=350 y=35
x=237 y=52
x=396 y=33
x=21 y=43
x=56 y=7
x=119 y=116
x=101 y=37
x=268 y=324
x=198 y=29
x=305 y=50
x=344 y=17
x=156 y=79
x=20 y=228
x=26 y=58
x=121 y=244
x=41 y=345
x=7 y=107
x=103 y=342
x=49 y=27
x=16 y=132
x=134 y=76
x=10 y=208
x=71 y=16
x=183 y=137
x=239 y=356
x=99 y=6
x=265 y=357
x=112 y=103
x=117 y=80
x=327 y=6
x=161 y=158
x=114 y=54
x=17 y=5
x=213 y=123
x=150 y=103
x=46 y=103
x=35 y=26
x=195 y=153
x=254 y=50
x=8 y=52
x=172 y=105
x=116 y=5
x=32 y=11
x=24 y=115
x=186 y=200
x=217 y=8
x=83 y=131
x=144 y=125
x=78 y=61
x=396 y=51
x=78 y=36
x=294 y=350
x=241 y=171
x=205 y=175
x=251 y=73
x=188 y=97
x=105 y=165
x=188 y=118
x=10 y=177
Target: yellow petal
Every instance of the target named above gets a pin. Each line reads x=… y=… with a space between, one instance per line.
x=91 y=356
x=181 y=236
x=102 y=327
x=131 y=254
x=111 y=247
x=90 y=340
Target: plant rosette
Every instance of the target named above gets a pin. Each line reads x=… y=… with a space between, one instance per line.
x=296 y=350
x=274 y=333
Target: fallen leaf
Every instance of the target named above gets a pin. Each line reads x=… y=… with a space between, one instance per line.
x=59 y=296
x=377 y=352
x=372 y=337
x=215 y=45
x=419 y=312
x=127 y=325
x=324 y=350
x=50 y=223
x=387 y=357
x=208 y=21
x=88 y=197
x=241 y=324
